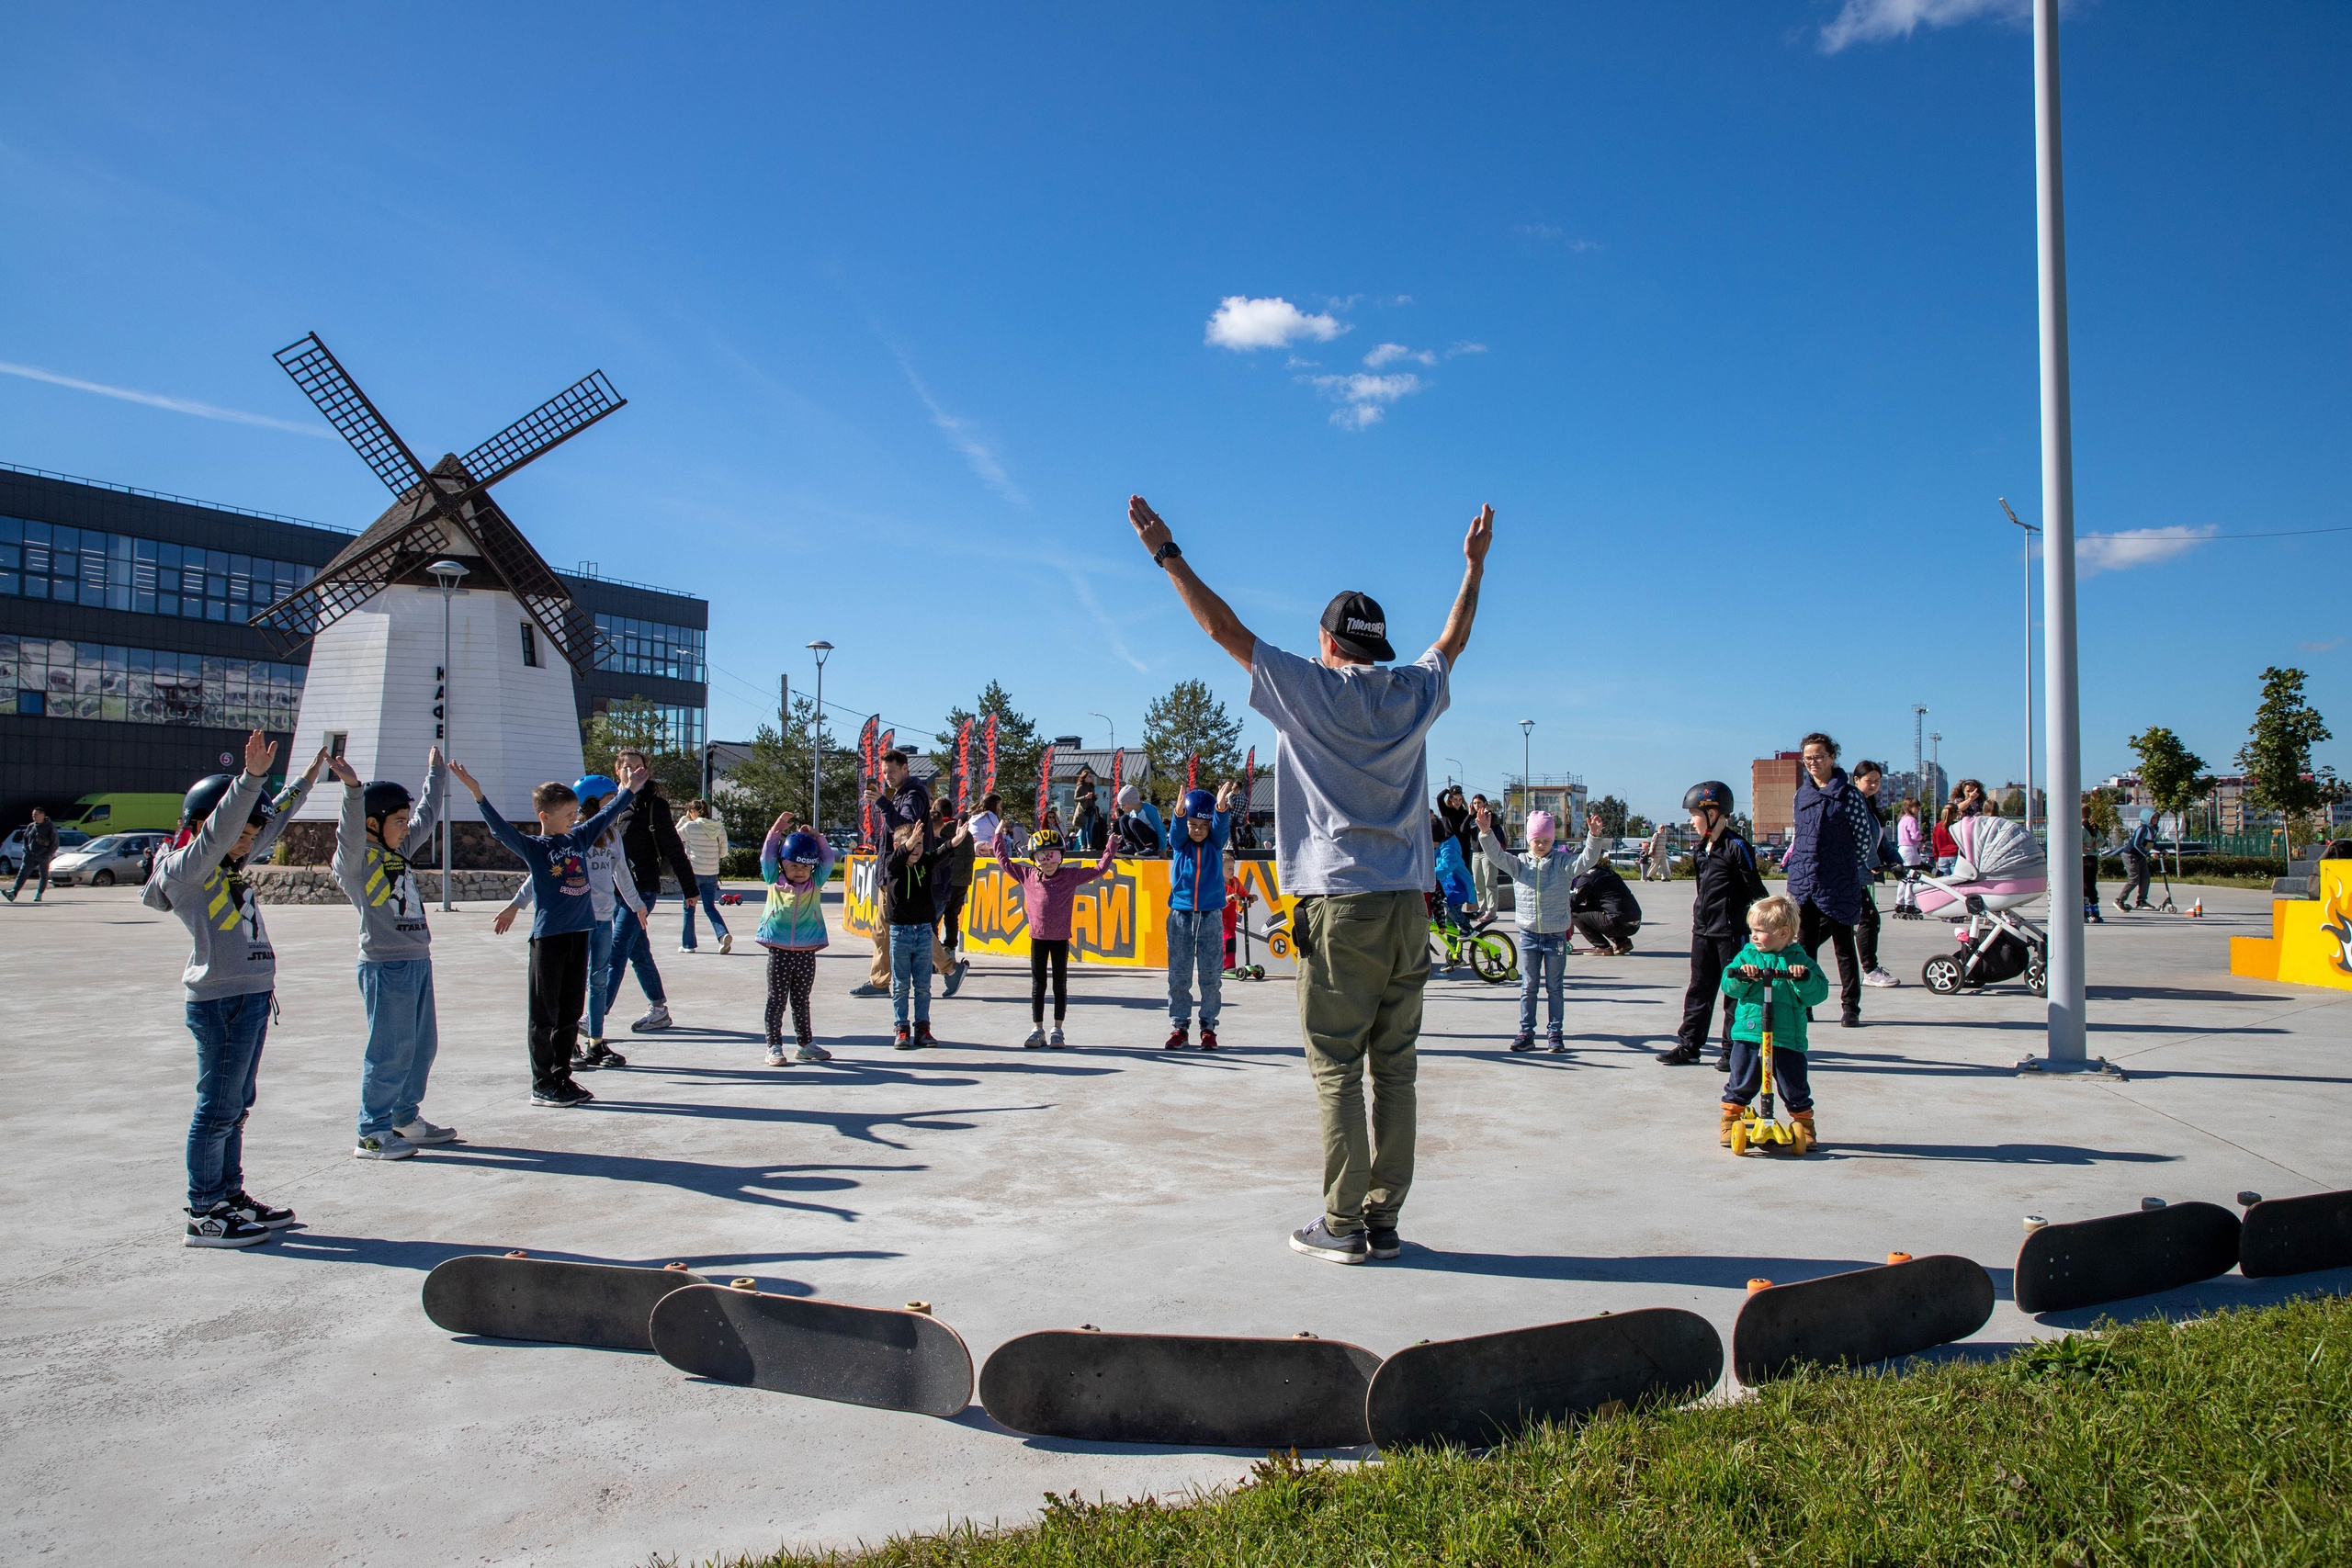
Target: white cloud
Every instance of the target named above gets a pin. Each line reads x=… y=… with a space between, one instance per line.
x=1362 y=396
x=157 y=400
x=1465 y=348
x=1242 y=323
x=1389 y=352
x=1085 y=591
x=1875 y=21
x=1549 y=232
x=963 y=435
x=2120 y=551
x=2330 y=646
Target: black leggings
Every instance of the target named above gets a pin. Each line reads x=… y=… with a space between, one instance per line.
x=792 y=973
x=1814 y=926
x=1865 y=939
x=1043 y=950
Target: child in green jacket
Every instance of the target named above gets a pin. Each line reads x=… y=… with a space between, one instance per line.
x=1764 y=965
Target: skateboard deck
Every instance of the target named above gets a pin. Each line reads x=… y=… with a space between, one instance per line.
x=1480 y=1390
x=2295 y=1235
x=2089 y=1262
x=602 y=1304
x=1189 y=1389
x=882 y=1357
x=1856 y=1318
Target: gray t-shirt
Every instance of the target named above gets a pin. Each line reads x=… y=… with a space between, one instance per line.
x=1352 y=779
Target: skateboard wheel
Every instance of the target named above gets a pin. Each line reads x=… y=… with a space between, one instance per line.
x=518 y=1252
x=2248 y=1199
x=1088 y=1328
x=745 y=1283
x=922 y=1307
x=2148 y=1205
x=674 y=1267
x=1756 y=1285
x=2035 y=1221
x=1303 y=1334
x=1895 y=1257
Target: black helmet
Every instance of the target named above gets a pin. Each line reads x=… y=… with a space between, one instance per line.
x=208 y=792
x=1712 y=796
x=381 y=797
x=1043 y=839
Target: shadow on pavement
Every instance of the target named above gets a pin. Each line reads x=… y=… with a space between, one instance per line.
x=849 y=1124
x=2206 y=1298
x=312 y=1246
x=1999 y=1154
x=761 y=1184
x=1720 y=1273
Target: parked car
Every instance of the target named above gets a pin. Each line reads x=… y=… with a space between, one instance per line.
x=115 y=813
x=12 y=848
x=102 y=862
x=1625 y=858
x=2183 y=847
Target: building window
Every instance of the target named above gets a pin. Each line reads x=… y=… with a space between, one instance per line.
x=530 y=646
x=631 y=647
x=681 y=727
x=61 y=678
x=149 y=577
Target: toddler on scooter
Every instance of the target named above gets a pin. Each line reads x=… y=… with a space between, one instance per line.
x=1762 y=966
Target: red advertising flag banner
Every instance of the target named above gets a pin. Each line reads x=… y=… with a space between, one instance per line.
x=1248 y=784
x=868 y=764
x=990 y=787
x=1192 y=773
x=963 y=764
x=1044 y=783
x=1118 y=766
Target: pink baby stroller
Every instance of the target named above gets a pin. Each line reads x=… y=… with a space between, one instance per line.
x=2000 y=870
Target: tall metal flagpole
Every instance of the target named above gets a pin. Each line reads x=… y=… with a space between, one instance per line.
x=2063 y=736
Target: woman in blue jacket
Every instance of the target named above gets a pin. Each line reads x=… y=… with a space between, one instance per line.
x=1827 y=864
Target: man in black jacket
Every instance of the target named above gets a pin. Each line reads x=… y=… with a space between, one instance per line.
x=649 y=837
x=1603 y=911
x=1729 y=883
x=40 y=846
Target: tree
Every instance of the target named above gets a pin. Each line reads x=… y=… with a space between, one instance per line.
x=2100 y=803
x=2013 y=804
x=1639 y=827
x=1613 y=812
x=2277 y=757
x=1019 y=753
x=2173 y=775
x=1189 y=721
x=775 y=776
x=636 y=724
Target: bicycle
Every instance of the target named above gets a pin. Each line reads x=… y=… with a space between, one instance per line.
x=1493 y=959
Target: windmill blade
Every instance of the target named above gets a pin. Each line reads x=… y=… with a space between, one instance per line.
x=325 y=381
x=311 y=608
x=550 y=426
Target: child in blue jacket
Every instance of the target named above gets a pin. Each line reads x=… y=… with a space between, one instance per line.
x=1196 y=913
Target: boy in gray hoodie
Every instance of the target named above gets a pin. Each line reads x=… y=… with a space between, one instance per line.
x=231 y=972
x=382 y=828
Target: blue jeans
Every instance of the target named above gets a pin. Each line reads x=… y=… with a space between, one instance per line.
x=633 y=944
x=229 y=1031
x=600 y=959
x=911 y=971
x=1195 y=947
x=1543 y=958
x=402 y=1039
x=709 y=907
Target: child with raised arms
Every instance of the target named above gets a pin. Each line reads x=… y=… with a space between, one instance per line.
x=1047 y=887
x=796 y=865
x=611 y=889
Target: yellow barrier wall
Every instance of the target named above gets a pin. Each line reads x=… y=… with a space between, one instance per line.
x=1118 y=919
x=2311 y=939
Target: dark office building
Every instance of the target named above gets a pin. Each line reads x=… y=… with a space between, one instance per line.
x=126 y=663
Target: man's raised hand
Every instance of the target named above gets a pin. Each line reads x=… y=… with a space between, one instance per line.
x=1148 y=526
x=1481 y=535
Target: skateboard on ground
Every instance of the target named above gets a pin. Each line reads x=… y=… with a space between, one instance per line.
x=1480 y=1390
x=2296 y=1235
x=515 y=1297
x=1870 y=1314
x=2089 y=1262
x=1192 y=1390
x=889 y=1358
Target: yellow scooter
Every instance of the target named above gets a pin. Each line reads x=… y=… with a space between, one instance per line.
x=1757 y=1130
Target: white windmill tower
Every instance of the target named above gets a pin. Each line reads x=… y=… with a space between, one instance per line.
x=378 y=621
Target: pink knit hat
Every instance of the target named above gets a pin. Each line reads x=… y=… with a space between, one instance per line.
x=1541 y=826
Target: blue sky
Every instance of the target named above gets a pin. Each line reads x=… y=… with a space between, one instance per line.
x=1728 y=308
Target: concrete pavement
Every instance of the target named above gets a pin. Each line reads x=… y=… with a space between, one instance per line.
x=292 y=1404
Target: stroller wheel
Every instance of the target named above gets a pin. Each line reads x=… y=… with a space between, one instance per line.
x=2037 y=976
x=1941 y=974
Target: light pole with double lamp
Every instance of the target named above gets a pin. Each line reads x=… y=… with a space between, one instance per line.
x=449 y=574
x=1526 y=780
x=817 y=744
x=2029 y=532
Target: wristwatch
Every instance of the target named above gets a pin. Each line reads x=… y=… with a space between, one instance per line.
x=1166 y=553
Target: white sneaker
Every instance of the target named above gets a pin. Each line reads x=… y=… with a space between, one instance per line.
x=422 y=1132
x=812 y=1053
x=1036 y=1041
x=384 y=1145
x=684 y=949
x=1055 y=1040
x=659 y=1018
x=726 y=941
x=1880 y=978
x=776 y=1055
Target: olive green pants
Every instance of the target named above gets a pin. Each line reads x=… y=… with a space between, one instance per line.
x=1363 y=959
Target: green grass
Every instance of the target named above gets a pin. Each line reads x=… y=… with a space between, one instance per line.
x=2225 y=1441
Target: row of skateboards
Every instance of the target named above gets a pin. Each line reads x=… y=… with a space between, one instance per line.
x=1305 y=1393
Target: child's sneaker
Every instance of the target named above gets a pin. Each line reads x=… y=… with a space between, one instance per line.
x=658 y=1018
x=955 y=977
x=1208 y=1038
x=776 y=1055
x=1523 y=1041
x=904 y=1039
x=562 y=1096
x=1178 y=1038
x=256 y=1212
x=1804 y=1119
x=726 y=942
x=423 y=1134
x=1055 y=1040
x=599 y=1055
x=813 y=1053
x=1880 y=978
x=1729 y=1119
x=222 y=1226
x=923 y=1036
x=383 y=1145
x=1558 y=1044
x=1036 y=1041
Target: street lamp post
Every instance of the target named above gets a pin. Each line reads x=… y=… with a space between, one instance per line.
x=817 y=746
x=1526 y=780
x=1918 y=752
x=2030 y=530
x=1935 y=767
x=1455 y=776
x=449 y=574
x=1115 y=728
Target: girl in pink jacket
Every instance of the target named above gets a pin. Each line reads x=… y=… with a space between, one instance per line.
x=1047 y=887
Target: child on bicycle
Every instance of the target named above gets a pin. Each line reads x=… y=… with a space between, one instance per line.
x=1545 y=877
x=1764 y=965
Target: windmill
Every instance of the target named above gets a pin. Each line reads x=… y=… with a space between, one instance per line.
x=377 y=623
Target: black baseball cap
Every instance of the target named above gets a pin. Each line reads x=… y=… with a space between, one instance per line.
x=1358 y=626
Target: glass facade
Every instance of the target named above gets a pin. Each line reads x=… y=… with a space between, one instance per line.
x=54 y=678
x=631 y=646
x=117 y=571
x=681 y=727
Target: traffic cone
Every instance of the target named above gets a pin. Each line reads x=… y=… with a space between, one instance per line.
x=2197 y=910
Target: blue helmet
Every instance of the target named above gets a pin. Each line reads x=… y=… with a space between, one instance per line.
x=595 y=787
x=801 y=847
x=1196 y=803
